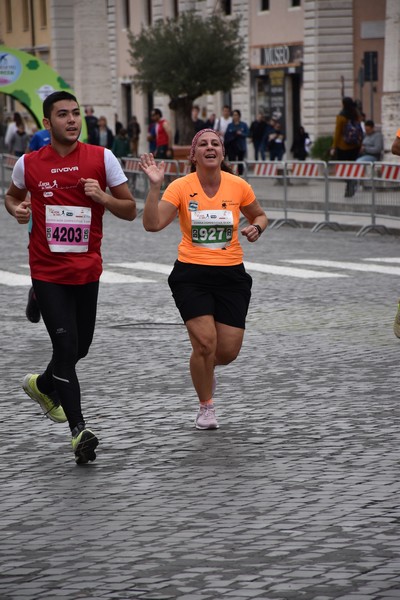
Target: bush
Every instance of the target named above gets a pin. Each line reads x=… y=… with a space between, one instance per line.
x=321 y=147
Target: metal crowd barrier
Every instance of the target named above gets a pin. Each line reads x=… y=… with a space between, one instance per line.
x=293 y=187
x=7 y=164
x=138 y=181
x=273 y=177
x=318 y=187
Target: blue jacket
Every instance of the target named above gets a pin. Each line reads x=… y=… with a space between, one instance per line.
x=237 y=133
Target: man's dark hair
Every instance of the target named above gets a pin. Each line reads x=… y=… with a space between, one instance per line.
x=157 y=111
x=369 y=123
x=55 y=97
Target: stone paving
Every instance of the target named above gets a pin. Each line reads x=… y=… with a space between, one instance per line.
x=295 y=497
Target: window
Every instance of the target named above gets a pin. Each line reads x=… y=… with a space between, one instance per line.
x=296 y=3
x=43 y=14
x=226 y=7
x=149 y=13
x=9 y=24
x=264 y=5
x=126 y=15
x=25 y=15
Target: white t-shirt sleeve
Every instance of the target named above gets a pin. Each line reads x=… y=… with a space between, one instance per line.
x=114 y=173
x=18 y=174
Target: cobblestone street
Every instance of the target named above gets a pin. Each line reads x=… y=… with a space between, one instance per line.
x=295 y=497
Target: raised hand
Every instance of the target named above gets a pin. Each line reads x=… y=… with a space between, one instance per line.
x=155 y=172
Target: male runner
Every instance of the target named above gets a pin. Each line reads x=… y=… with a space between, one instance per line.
x=67 y=182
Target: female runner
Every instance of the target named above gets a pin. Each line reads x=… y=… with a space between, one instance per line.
x=209 y=283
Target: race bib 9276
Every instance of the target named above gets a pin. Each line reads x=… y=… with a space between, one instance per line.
x=212 y=229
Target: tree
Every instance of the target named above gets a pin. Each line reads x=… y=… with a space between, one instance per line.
x=186 y=58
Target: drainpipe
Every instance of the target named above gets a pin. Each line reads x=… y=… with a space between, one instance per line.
x=32 y=15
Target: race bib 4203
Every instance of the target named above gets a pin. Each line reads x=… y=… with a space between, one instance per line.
x=68 y=228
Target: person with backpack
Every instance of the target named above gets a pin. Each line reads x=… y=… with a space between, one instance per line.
x=347 y=138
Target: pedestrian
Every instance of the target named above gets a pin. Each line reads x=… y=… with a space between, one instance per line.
x=133 y=131
x=117 y=124
x=372 y=145
x=257 y=131
x=301 y=144
x=198 y=123
x=265 y=143
x=121 y=146
x=151 y=137
x=235 y=139
x=39 y=139
x=221 y=124
x=396 y=144
x=91 y=125
x=19 y=141
x=104 y=133
x=277 y=146
x=67 y=182
x=209 y=283
x=12 y=127
x=163 y=135
x=347 y=138
x=210 y=122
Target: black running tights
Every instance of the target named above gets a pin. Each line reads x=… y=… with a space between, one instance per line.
x=69 y=314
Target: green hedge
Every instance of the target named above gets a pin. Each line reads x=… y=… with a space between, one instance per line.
x=320 y=148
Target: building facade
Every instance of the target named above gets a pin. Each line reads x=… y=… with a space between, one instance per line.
x=302 y=56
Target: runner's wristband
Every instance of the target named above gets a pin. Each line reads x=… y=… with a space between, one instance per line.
x=258 y=229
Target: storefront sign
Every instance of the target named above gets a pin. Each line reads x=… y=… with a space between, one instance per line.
x=271 y=57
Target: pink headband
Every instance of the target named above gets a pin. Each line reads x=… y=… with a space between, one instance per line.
x=196 y=137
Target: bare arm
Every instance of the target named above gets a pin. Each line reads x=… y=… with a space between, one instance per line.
x=256 y=216
x=17 y=204
x=120 y=202
x=156 y=214
x=396 y=146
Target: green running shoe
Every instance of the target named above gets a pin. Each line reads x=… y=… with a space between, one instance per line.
x=84 y=445
x=396 y=324
x=51 y=408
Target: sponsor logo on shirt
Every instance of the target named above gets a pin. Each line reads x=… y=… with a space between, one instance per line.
x=64 y=169
x=46 y=185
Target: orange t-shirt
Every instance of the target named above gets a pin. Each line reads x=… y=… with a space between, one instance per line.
x=209 y=225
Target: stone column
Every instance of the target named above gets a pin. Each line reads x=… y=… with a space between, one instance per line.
x=93 y=76
x=391 y=77
x=328 y=63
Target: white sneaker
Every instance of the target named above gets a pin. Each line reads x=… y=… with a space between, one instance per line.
x=206 y=417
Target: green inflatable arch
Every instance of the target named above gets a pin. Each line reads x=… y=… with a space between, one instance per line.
x=30 y=80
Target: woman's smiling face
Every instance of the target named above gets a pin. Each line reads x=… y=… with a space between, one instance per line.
x=209 y=150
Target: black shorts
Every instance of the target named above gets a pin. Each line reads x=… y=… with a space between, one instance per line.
x=223 y=292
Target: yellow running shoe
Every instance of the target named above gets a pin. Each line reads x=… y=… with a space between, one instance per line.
x=51 y=408
x=84 y=443
x=396 y=324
